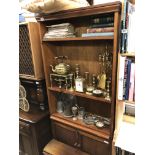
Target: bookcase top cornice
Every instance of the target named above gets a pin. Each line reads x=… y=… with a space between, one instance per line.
x=81 y=12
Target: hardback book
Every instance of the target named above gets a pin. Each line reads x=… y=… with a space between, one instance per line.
x=129 y=25
x=130 y=109
x=95 y=30
x=123 y=28
x=102 y=25
x=102 y=20
x=125 y=79
x=132 y=81
x=128 y=79
x=124 y=13
x=123 y=39
x=121 y=78
x=131 y=34
x=97 y=34
x=117 y=150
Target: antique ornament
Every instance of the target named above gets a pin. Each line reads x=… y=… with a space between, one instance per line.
x=61 y=68
x=102 y=75
x=23 y=102
x=80 y=84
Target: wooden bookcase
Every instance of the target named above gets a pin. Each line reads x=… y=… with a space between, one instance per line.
x=84 y=51
x=123 y=122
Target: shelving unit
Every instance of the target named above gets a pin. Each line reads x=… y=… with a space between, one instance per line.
x=124 y=133
x=83 y=51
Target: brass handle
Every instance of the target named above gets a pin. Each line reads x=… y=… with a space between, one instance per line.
x=106 y=142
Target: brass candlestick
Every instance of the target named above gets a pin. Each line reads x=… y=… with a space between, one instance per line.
x=94 y=80
x=71 y=82
x=86 y=77
x=108 y=97
x=102 y=77
x=77 y=71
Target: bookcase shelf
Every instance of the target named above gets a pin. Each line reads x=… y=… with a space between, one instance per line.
x=78 y=39
x=56 y=89
x=130 y=119
x=128 y=54
x=103 y=133
x=130 y=102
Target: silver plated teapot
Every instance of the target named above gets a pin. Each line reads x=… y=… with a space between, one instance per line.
x=61 y=68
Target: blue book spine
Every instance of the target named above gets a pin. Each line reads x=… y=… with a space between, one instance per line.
x=128 y=80
x=97 y=34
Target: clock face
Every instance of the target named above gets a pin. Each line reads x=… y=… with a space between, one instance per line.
x=23 y=102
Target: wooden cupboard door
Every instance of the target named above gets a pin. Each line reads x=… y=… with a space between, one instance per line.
x=26 y=146
x=65 y=134
x=21 y=148
x=94 y=145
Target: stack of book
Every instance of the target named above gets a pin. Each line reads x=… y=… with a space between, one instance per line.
x=126 y=88
x=127 y=42
x=60 y=31
x=102 y=26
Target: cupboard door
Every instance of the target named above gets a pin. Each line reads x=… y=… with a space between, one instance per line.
x=26 y=147
x=21 y=148
x=65 y=134
x=94 y=145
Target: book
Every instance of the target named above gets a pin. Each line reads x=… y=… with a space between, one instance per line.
x=131 y=34
x=95 y=30
x=124 y=28
x=102 y=25
x=97 y=34
x=124 y=13
x=128 y=79
x=117 y=150
x=130 y=9
x=125 y=79
x=101 y=20
x=131 y=88
x=123 y=39
x=121 y=78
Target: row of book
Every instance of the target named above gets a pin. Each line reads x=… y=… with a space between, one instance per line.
x=127 y=42
x=126 y=83
x=101 y=26
x=119 y=151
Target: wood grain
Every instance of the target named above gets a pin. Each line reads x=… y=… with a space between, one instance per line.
x=36 y=49
x=82 y=51
x=81 y=12
x=55 y=147
x=103 y=133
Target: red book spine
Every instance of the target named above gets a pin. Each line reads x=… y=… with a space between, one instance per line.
x=95 y=30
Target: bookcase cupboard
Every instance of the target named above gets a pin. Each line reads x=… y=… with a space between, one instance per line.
x=83 y=51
